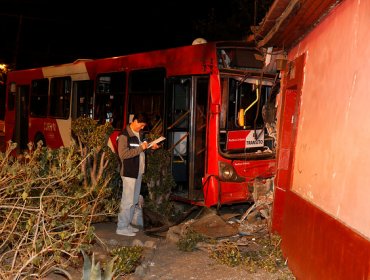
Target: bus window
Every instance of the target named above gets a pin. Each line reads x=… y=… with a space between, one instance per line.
x=82 y=103
x=146 y=91
x=110 y=98
x=21 y=127
x=178 y=117
x=60 y=95
x=39 y=98
x=178 y=130
x=246 y=97
x=244 y=102
x=11 y=96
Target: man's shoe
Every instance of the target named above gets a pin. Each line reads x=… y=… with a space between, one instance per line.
x=126 y=232
x=133 y=229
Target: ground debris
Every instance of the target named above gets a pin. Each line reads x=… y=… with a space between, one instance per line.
x=246 y=242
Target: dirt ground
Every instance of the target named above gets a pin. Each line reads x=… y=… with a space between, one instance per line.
x=162 y=259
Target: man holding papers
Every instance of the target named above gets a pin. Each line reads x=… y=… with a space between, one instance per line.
x=131 y=149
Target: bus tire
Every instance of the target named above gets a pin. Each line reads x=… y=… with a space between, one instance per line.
x=39 y=137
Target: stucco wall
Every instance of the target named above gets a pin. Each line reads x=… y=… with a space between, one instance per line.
x=332 y=155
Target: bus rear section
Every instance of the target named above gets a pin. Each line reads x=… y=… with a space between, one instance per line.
x=42 y=102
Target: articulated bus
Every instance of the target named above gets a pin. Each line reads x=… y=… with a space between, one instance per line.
x=215 y=102
x=3 y=71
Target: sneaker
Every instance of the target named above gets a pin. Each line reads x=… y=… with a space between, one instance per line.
x=133 y=229
x=126 y=232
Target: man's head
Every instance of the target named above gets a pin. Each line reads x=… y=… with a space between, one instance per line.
x=139 y=121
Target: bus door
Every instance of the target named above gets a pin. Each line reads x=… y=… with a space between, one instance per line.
x=186 y=134
x=20 y=132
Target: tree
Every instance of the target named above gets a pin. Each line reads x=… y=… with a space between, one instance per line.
x=231 y=21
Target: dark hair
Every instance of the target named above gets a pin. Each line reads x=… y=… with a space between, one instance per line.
x=141 y=118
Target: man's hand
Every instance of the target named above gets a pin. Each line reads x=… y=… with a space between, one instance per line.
x=155 y=146
x=144 y=145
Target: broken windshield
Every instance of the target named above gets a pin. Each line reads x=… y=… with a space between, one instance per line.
x=248 y=115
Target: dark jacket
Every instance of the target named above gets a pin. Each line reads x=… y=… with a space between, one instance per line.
x=129 y=150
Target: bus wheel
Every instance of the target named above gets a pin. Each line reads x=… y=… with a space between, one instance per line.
x=39 y=138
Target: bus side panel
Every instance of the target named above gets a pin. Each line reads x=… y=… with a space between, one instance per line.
x=218 y=192
x=232 y=192
x=24 y=77
x=49 y=129
x=251 y=169
x=211 y=191
x=211 y=183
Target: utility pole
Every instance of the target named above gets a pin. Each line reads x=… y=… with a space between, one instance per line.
x=255 y=13
x=17 y=43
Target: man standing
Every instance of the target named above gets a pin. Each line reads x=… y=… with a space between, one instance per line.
x=131 y=149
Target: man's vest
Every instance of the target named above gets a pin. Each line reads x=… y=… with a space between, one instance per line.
x=131 y=165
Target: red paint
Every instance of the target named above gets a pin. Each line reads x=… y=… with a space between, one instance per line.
x=318 y=246
x=218 y=192
x=251 y=169
x=49 y=128
x=289 y=113
x=278 y=209
x=239 y=139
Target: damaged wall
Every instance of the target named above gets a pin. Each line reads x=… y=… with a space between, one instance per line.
x=332 y=154
x=321 y=198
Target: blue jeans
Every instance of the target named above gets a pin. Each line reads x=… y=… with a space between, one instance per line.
x=130 y=197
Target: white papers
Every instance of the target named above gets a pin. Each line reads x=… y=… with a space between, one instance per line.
x=159 y=139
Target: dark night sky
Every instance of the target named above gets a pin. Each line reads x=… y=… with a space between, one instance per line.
x=53 y=31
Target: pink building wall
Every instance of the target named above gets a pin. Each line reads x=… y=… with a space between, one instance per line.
x=331 y=166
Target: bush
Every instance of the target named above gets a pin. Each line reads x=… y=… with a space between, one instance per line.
x=48 y=202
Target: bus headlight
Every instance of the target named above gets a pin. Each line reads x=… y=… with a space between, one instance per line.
x=227 y=172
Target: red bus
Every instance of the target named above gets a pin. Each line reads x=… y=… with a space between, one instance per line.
x=3 y=71
x=215 y=102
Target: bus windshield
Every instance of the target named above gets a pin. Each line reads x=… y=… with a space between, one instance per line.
x=247 y=120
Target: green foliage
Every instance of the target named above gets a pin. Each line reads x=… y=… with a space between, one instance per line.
x=128 y=258
x=45 y=216
x=189 y=241
x=159 y=181
x=92 y=271
x=90 y=133
x=49 y=200
x=92 y=139
x=268 y=256
x=227 y=253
